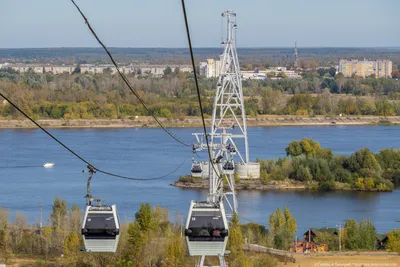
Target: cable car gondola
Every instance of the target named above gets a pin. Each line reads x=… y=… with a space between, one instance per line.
x=100 y=226
x=197 y=169
x=100 y=229
x=229 y=167
x=206 y=230
x=231 y=149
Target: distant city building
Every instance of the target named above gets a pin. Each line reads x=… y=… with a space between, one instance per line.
x=211 y=68
x=291 y=74
x=252 y=75
x=203 y=68
x=379 y=68
x=144 y=70
x=262 y=75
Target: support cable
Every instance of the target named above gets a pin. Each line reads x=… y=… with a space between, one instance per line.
x=126 y=81
x=81 y=158
x=197 y=86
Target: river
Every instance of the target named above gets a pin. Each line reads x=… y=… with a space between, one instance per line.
x=151 y=153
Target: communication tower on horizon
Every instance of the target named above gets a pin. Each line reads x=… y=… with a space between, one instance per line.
x=296 y=56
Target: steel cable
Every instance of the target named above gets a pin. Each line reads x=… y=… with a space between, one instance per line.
x=81 y=158
x=197 y=87
x=125 y=79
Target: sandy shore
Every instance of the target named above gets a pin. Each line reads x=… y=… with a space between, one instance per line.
x=250 y=184
x=259 y=121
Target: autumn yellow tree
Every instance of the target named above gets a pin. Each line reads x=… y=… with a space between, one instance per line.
x=283 y=227
x=237 y=257
x=71 y=244
x=175 y=251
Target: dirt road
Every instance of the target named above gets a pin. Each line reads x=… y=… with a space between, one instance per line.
x=354 y=260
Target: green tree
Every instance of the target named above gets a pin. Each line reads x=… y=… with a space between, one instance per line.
x=5 y=251
x=394 y=241
x=384 y=107
x=145 y=217
x=59 y=213
x=167 y=71
x=283 y=226
x=363 y=162
x=327 y=238
x=282 y=75
x=290 y=222
x=139 y=233
x=77 y=69
x=270 y=100
x=303 y=173
x=332 y=71
x=352 y=235
x=367 y=235
x=308 y=147
x=340 y=80
x=136 y=243
x=389 y=160
x=294 y=149
x=271 y=74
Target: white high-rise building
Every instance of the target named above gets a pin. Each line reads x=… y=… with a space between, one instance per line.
x=211 y=68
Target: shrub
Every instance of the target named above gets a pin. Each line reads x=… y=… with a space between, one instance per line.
x=327 y=185
x=188 y=179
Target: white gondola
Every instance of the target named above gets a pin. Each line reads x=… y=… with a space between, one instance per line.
x=197 y=169
x=206 y=230
x=231 y=149
x=100 y=229
x=229 y=167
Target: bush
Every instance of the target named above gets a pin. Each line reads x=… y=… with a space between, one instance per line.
x=188 y=179
x=264 y=176
x=327 y=185
x=343 y=176
x=278 y=174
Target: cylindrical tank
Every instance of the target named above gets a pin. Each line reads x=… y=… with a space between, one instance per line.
x=251 y=170
x=204 y=173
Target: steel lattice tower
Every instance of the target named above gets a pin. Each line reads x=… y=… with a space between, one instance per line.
x=229 y=109
x=296 y=56
x=228 y=124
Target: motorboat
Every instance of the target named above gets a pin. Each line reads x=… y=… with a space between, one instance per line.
x=48 y=165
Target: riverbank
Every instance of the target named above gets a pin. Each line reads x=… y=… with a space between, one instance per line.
x=245 y=184
x=257 y=184
x=148 y=122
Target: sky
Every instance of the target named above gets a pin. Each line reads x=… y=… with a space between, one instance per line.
x=159 y=23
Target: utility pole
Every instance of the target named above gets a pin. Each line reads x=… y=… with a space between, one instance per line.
x=340 y=243
x=41 y=212
x=181 y=225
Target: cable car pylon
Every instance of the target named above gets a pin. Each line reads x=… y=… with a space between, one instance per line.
x=207 y=228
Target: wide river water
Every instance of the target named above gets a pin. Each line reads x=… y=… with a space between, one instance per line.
x=152 y=153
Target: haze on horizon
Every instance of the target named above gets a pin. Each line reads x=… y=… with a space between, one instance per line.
x=159 y=23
